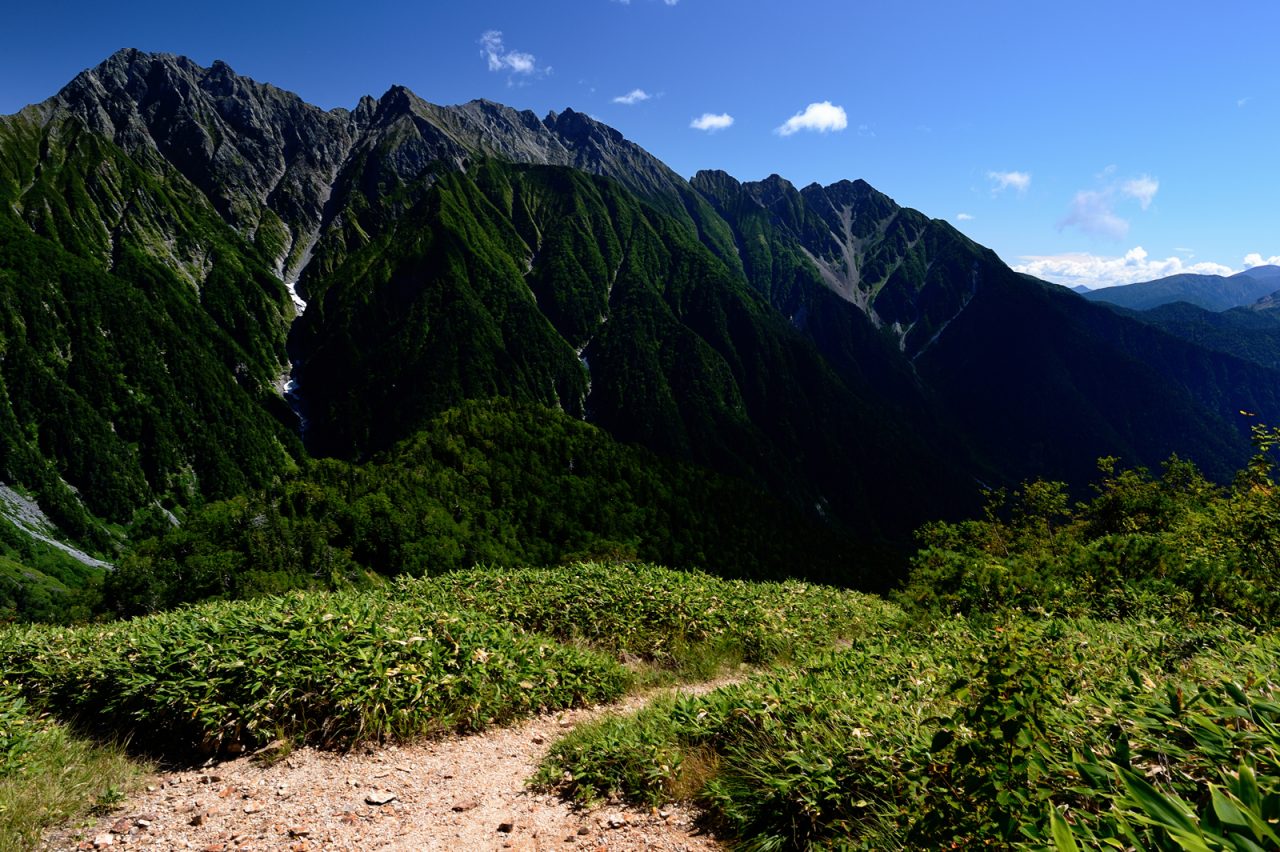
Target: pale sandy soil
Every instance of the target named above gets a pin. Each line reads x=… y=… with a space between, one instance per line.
x=458 y=794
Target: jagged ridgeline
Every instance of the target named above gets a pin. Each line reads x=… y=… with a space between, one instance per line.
x=857 y=361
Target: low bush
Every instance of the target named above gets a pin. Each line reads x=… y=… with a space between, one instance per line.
x=333 y=669
x=658 y=613
x=456 y=652
x=965 y=734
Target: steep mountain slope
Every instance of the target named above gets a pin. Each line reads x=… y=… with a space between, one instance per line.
x=1032 y=380
x=1211 y=292
x=1043 y=381
x=141 y=333
x=859 y=360
x=547 y=285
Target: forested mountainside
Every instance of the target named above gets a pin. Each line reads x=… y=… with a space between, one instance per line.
x=1250 y=332
x=858 y=362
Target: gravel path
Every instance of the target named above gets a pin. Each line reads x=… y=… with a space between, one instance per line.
x=459 y=794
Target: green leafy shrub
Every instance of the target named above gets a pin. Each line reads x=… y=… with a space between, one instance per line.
x=334 y=669
x=1143 y=546
x=456 y=652
x=19 y=730
x=962 y=735
x=659 y=613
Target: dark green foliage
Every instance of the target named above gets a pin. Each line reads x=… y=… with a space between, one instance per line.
x=993 y=714
x=486 y=482
x=20 y=730
x=1248 y=333
x=958 y=737
x=1143 y=546
x=139 y=341
x=498 y=280
x=38 y=582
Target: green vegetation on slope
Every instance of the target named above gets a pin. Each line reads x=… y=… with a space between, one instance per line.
x=485 y=482
x=961 y=735
x=1175 y=545
x=139 y=340
x=550 y=286
x=39 y=582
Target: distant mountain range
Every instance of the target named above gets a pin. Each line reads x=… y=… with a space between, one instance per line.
x=858 y=361
x=1211 y=292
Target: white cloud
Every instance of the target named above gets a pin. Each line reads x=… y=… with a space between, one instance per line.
x=1096 y=271
x=821 y=117
x=1254 y=258
x=711 y=122
x=964 y=217
x=1240 y=102
x=1091 y=212
x=1142 y=188
x=499 y=58
x=1021 y=181
x=634 y=96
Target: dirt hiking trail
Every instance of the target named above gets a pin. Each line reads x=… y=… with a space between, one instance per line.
x=459 y=793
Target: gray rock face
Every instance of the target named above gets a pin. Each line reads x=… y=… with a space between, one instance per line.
x=251 y=148
x=907 y=273
x=247 y=146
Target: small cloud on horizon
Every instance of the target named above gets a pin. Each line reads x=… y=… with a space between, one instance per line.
x=1254 y=258
x=1097 y=271
x=1240 y=102
x=634 y=96
x=1020 y=181
x=712 y=122
x=964 y=217
x=820 y=117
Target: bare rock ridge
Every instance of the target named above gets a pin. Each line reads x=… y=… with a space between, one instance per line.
x=255 y=150
x=265 y=158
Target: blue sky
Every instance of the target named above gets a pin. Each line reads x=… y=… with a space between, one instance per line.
x=1087 y=142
